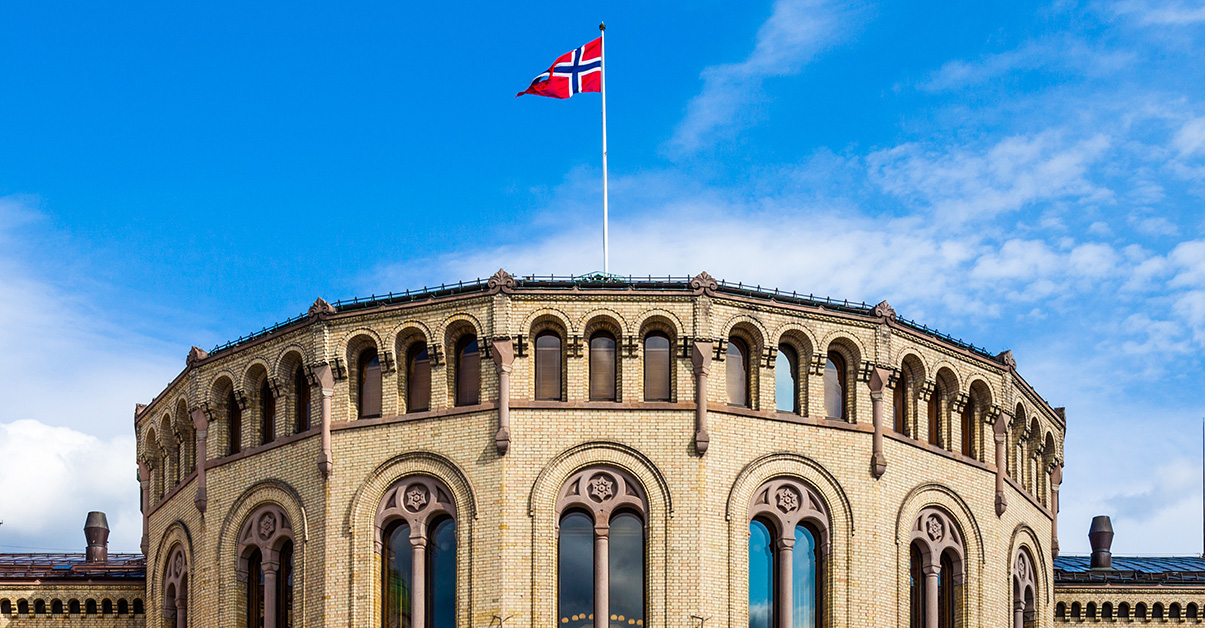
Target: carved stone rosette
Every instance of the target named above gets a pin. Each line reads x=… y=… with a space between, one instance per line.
x=787 y=503
x=417 y=499
x=602 y=491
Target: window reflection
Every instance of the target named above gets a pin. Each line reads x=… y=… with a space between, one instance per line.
x=418 y=379
x=803 y=579
x=548 y=366
x=761 y=576
x=602 y=367
x=786 y=384
x=834 y=386
x=656 y=367
x=575 y=569
x=737 y=372
x=468 y=372
x=398 y=567
x=441 y=578
x=626 y=543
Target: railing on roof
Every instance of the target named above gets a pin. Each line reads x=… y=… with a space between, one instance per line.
x=602 y=281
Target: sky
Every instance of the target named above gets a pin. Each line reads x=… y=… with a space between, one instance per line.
x=1023 y=175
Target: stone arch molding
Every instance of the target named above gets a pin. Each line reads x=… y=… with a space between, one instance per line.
x=638 y=324
x=580 y=462
x=175 y=537
x=175 y=587
x=416 y=499
x=370 y=511
x=916 y=510
x=602 y=491
x=787 y=503
x=456 y=318
x=1024 y=538
x=1024 y=588
x=732 y=323
x=586 y=319
x=546 y=312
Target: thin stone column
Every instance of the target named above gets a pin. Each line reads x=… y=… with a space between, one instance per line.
x=270 y=571
x=503 y=354
x=602 y=576
x=784 y=562
x=1018 y=613
x=418 y=582
x=700 y=357
x=327 y=381
x=181 y=612
x=200 y=423
x=1000 y=435
x=932 y=580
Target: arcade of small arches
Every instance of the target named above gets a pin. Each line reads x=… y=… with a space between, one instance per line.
x=1076 y=612
x=57 y=607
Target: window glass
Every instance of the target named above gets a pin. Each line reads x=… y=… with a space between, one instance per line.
x=737 y=373
x=301 y=390
x=284 y=587
x=946 y=611
x=548 y=366
x=468 y=372
x=267 y=403
x=626 y=572
x=803 y=579
x=916 y=589
x=418 y=379
x=786 y=384
x=398 y=566
x=761 y=576
x=255 y=590
x=441 y=581
x=834 y=386
x=370 y=384
x=575 y=570
x=897 y=405
x=656 y=367
x=968 y=427
x=235 y=414
x=935 y=417
x=602 y=367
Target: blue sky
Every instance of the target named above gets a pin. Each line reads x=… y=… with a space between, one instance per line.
x=1025 y=175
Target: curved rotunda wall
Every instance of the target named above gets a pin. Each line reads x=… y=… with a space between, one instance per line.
x=501 y=464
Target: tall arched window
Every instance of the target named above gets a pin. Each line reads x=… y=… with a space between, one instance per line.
x=301 y=400
x=899 y=405
x=418 y=378
x=265 y=566
x=175 y=589
x=370 y=384
x=267 y=412
x=788 y=534
x=736 y=367
x=416 y=535
x=602 y=367
x=1024 y=610
x=657 y=362
x=234 y=416
x=968 y=424
x=602 y=523
x=935 y=415
x=786 y=379
x=835 y=385
x=548 y=366
x=468 y=371
x=936 y=574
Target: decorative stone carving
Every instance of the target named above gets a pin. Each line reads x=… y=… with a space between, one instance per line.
x=935 y=529
x=1006 y=358
x=936 y=534
x=786 y=503
x=501 y=281
x=267 y=525
x=601 y=488
x=788 y=499
x=705 y=282
x=195 y=354
x=321 y=308
x=601 y=491
x=266 y=529
x=884 y=310
x=416 y=499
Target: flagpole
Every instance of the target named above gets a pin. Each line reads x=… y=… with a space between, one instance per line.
x=602 y=27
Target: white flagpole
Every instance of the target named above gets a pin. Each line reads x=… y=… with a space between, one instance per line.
x=602 y=80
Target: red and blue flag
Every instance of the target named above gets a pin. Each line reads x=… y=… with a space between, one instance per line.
x=572 y=73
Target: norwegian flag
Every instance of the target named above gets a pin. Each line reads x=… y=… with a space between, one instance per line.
x=572 y=73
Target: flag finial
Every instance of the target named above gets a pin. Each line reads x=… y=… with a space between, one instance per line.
x=602 y=26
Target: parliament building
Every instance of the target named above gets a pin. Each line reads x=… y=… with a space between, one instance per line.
x=596 y=452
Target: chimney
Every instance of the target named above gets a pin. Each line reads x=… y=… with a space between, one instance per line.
x=1100 y=535
x=96 y=531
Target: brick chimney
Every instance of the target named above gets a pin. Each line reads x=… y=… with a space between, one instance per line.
x=96 y=531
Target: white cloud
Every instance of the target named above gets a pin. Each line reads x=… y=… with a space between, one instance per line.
x=795 y=33
x=1190 y=139
x=51 y=477
x=1165 y=13
x=1061 y=54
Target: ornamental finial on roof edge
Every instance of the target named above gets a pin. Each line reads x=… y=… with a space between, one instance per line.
x=501 y=280
x=321 y=307
x=1007 y=358
x=884 y=310
x=703 y=281
x=195 y=354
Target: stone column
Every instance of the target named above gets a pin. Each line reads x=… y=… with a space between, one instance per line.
x=878 y=461
x=327 y=381
x=503 y=354
x=1018 y=613
x=200 y=422
x=418 y=581
x=932 y=582
x=1056 y=478
x=783 y=561
x=270 y=571
x=181 y=612
x=700 y=357
x=1001 y=435
x=602 y=576
x=144 y=473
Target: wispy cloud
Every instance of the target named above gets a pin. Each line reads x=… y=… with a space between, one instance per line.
x=795 y=33
x=1166 y=12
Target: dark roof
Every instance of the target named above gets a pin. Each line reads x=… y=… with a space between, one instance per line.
x=70 y=566
x=1131 y=569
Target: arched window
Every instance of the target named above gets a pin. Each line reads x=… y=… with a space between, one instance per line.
x=835 y=385
x=1090 y=611
x=468 y=371
x=234 y=415
x=657 y=363
x=788 y=532
x=267 y=412
x=56 y=607
x=90 y=607
x=786 y=379
x=937 y=570
x=106 y=607
x=73 y=607
x=138 y=610
x=602 y=367
x=548 y=366
x=6 y=607
x=1173 y=611
x=1106 y=611
x=301 y=401
x=736 y=367
x=899 y=405
x=265 y=567
x=416 y=527
x=935 y=415
x=1123 y=610
x=602 y=522
x=175 y=588
x=370 y=384
x=418 y=378
x=1024 y=610
x=1191 y=610
x=123 y=607
x=1140 y=610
